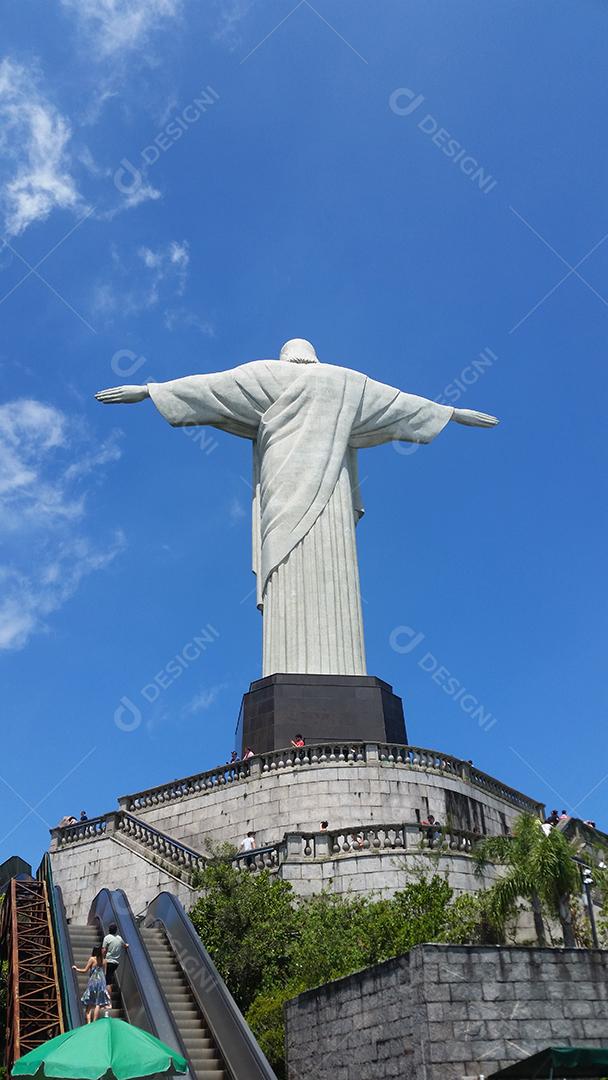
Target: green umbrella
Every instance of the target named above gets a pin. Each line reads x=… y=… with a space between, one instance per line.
x=106 y=1048
x=559 y=1061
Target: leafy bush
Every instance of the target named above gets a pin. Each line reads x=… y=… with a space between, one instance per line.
x=269 y=945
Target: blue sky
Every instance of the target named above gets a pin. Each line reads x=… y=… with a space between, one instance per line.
x=410 y=185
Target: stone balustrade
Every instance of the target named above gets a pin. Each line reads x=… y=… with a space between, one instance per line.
x=492 y=786
x=267 y=858
x=92 y=829
x=120 y=822
x=181 y=856
x=327 y=754
x=356 y=753
x=358 y=840
x=179 y=789
x=120 y=850
x=410 y=757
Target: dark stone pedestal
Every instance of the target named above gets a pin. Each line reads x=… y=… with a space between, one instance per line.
x=323 y=708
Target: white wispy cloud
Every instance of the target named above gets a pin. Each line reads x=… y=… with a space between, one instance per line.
x=236 y=511
x=203 y=701
x=154 y=276
x=28 y=599
x=47 y=464
x=230 y=15
x=117 y=26
x=36 y=172
x=180 y=317
x=140 y=194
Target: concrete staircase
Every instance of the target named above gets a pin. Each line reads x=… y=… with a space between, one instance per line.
x=205 y=1058
x=83 y=940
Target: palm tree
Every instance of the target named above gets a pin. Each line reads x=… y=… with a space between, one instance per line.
x=538 y=868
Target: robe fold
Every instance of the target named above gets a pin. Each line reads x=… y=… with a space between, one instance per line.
x=306 y=422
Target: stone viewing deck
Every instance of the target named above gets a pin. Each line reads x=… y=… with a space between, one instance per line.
x=373 y=795
x=410 y=757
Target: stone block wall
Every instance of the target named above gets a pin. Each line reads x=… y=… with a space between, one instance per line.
x=445 y=1012
x=381 y=873
x=297 y=799
x=106 y=863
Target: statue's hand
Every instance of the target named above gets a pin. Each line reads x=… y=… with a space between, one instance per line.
x=472 y=418
x=122 y=395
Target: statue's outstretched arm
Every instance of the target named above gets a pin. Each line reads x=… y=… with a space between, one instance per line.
x=122 y=395
x=472 y=418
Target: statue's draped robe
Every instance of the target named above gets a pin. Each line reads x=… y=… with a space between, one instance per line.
x=306 y=422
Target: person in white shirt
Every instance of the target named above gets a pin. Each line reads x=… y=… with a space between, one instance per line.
x=248 y=844
x=113 y=951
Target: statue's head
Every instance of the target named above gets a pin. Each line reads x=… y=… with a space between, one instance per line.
x=298 y=351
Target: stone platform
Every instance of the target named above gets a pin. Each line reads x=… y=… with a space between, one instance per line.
x=374 y=796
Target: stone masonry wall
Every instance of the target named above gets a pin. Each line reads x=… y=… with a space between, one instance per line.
x=83 y=869
x=297 y=799
x=381 y=873
x=444 y=1012
x=105 y=862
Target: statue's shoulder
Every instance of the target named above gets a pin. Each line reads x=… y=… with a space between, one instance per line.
x=338 y=371
x=258 y=366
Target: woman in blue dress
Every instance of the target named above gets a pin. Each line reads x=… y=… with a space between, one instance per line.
x=95 y=997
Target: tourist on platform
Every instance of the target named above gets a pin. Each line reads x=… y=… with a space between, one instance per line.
x=113 y=952
x=234 y=757
x=83 y=815
x=553 y=818
x=95 y=997
x=324 y=826
x=247 y=845
x=249 y=753
x=68 y=819
x=298 y=742
x=564 y=815
x=433 y=829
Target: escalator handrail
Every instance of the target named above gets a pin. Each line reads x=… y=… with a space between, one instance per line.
x=142 y=995
x=232 y=1035
x=73 y=1009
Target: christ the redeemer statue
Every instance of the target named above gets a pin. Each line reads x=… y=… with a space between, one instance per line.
x=306 y=421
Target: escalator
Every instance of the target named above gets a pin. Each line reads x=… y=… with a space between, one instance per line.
x=166 y=984
x=201 y=1050
x=83 y=940
x=217 y=1039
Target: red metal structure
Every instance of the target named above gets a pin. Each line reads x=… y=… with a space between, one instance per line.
x=34 y=1010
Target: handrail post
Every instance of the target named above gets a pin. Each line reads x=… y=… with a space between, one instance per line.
x=293 y=845
x=372 y=752
x=411 y=836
